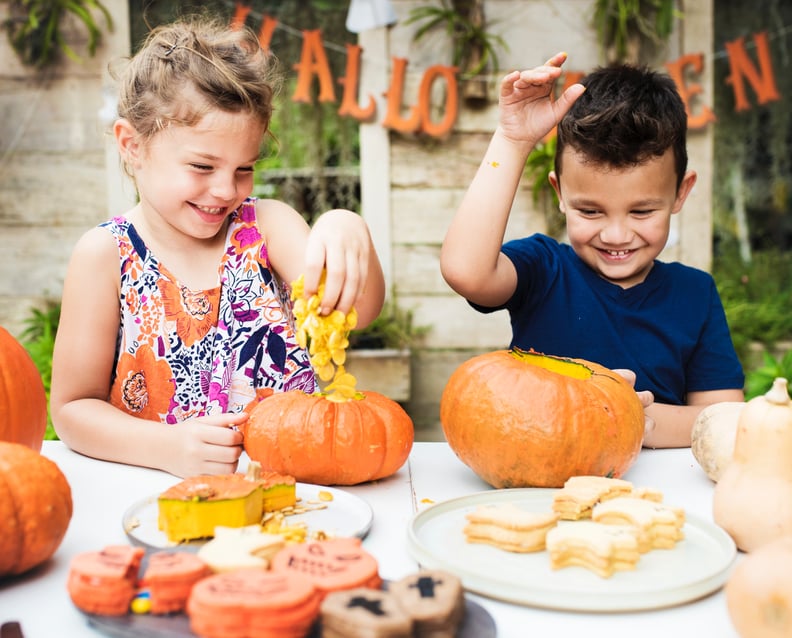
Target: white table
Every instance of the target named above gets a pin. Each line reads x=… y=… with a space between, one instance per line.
x=102 y=492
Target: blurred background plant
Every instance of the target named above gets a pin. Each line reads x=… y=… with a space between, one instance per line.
x=759 y=380
x=38 y=338
x=35 y=28
x=393 y=328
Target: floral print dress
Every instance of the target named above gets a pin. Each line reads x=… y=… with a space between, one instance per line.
x=186 y=353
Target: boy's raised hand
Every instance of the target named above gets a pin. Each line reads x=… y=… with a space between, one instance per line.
x=527 y=110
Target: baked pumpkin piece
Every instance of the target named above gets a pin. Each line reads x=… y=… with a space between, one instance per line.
x=193 y=508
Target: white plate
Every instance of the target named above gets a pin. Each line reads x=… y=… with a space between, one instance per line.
x=697 y=566
x=345 y=515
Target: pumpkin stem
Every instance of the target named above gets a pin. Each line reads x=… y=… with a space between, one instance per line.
x=778 y=394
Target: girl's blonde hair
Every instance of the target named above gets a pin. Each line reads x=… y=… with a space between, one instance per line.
x=189 y=67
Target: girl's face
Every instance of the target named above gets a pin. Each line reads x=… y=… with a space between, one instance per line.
x=618 y=219
x=193 y=177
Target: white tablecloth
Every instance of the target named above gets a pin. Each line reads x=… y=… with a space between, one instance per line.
x=103 y=491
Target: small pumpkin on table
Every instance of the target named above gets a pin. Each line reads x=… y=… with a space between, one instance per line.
x=35 y=497
x=339 y=436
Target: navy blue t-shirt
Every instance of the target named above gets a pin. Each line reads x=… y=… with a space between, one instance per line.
x=670 y=329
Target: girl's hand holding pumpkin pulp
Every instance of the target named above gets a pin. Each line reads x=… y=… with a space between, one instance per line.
x=339 y=253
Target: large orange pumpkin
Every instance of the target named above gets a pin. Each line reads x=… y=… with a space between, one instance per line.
x=35 y=508
x=328 y=442
x=523 y=419
x=23 y=401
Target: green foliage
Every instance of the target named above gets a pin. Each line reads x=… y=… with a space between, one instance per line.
x=393 y=328
x=541 y=161
x=618 y=22
x=759 y=380
x=38 y=338
x=466 y=37
x=34 y=28
x=757 y=297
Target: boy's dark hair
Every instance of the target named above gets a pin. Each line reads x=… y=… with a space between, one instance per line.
x=626 y=116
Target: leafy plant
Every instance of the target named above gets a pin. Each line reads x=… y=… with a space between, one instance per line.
x=619 y=22
x=474 y=48
x=39 y=340
x=393 y=328
x=34 y=28
x=756 y=297
x=759 y=380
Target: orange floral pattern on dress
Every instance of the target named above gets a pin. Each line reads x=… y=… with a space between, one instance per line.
x=195 y=312
x=223 y=348
x=143 y=385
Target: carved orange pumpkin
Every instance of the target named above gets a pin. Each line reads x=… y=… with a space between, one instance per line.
x=35 y=508
x=23 y=401
x=523 y=419
x=326 y=442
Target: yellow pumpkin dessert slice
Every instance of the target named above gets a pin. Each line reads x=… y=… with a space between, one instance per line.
x=191 y=509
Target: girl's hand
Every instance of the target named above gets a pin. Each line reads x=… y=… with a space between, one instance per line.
x=207 y=445
x=527 y=108
x=339 y=243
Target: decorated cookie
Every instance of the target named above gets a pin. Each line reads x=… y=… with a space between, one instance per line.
x=169 y=577
x=332 y=565
x=105 y=582
x=237 y=547
x=435 y=601
x=363 y=612
x=253 y=602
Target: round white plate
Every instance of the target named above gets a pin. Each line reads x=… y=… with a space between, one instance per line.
x=697 y=566
x=345 y=515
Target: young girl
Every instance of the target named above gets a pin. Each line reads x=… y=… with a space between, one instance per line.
x=175 y=316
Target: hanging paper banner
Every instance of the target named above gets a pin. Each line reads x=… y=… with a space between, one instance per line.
x=418 y=118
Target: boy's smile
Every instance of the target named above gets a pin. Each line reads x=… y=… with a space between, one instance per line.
x=618 y=219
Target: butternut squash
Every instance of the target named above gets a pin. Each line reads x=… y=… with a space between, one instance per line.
x=753 y=498
x=713 y=434
x=759 y=592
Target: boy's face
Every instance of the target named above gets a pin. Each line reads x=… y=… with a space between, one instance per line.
x=618 y=219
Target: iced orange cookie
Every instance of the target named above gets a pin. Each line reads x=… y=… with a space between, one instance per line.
x=332 y=565
x=253 y=602
x=105 y=582
x=169 y=577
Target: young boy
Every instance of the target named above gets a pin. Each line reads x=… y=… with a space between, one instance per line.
x=620 y=173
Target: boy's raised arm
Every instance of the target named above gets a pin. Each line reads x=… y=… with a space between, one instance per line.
x=470 y=259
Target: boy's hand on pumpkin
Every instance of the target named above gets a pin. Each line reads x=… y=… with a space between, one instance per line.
x=644 y=396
